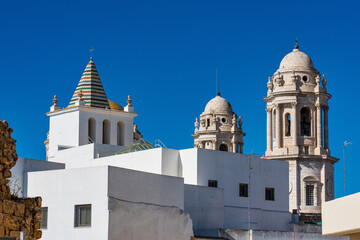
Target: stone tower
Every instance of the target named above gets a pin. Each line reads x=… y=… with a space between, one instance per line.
x=219 y=128
x=297 y=132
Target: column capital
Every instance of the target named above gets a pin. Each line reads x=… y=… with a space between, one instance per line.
x=294 y=104
x=326 y=108
x=277 y=105
x=268 y=109
x=317 y=105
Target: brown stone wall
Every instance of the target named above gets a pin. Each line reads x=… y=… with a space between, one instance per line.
x=16 y=214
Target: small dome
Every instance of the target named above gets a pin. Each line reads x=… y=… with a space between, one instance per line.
x=218 y=105
x=296 y=59
x=115 y=106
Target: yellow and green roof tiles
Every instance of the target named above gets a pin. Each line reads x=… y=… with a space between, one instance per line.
x=92 y=89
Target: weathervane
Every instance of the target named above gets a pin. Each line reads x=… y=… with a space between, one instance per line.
x=91 y=52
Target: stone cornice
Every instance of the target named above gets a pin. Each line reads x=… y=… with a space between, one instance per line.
x=92 y=110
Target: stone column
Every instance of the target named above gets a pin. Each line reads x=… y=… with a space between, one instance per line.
x=268 y=129
x=294 y=125
x=278 y=132
x=241 y=147
x=326 y=128
x=233 y=146
x=214 y=144
x=318 y=126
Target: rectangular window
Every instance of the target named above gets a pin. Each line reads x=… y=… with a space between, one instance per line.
x=243 y=190
x=309 y=195
x=212 y=183
x=44 y=218
x=270 y=194
x=83 y=215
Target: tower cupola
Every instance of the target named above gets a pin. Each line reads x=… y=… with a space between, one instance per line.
x=219 y=127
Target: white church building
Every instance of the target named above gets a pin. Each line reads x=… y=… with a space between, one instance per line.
x=101 y=180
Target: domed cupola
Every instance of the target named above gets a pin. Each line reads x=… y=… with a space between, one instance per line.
x=218 y=105
x=219 y=128
x=296 y=60
x=296 y=73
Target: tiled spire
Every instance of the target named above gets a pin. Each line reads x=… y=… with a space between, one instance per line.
x=92 y=89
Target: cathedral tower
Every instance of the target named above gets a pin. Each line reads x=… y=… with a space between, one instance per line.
x=90 y=118
x=297 y=132
x=219 y=128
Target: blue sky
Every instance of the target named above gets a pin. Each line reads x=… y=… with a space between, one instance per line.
x=165 y=53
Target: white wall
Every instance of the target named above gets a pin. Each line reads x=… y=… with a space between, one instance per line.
x=63 y=130
x=137 y=221
x=61 y=190
x=188 y=166
x=24 y=165
x=279 y=235
x=135 y=186
x=158 y=160
x=69 y=127
x=205 y=206
x=79 y=156
x=341 y=217
x=230 y=169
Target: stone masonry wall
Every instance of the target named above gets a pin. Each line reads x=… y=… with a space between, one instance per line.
x=16 y=214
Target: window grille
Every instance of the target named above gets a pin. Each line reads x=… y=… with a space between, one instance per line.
x=309 y=195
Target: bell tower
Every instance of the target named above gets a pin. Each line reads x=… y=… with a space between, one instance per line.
x=219 y=128
x=297 y=132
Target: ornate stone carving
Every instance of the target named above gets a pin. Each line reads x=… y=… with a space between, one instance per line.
x=324 y=82
x=280 y=81
x=233 y=121
x=202 y=122
x=268 y=109
x=270 y=84
x=196 y=124
x=240 y=122
x=294 y=104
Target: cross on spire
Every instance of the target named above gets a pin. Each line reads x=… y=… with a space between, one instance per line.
x=91 y=52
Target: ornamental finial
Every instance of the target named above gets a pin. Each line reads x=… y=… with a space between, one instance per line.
x=55 y=100
x=129 y=101
x=196 y=123
x=296 y=44
x=80 y=94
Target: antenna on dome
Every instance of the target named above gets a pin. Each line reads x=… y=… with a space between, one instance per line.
x=217 y=83
x=296 y=44
x=91 y=52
